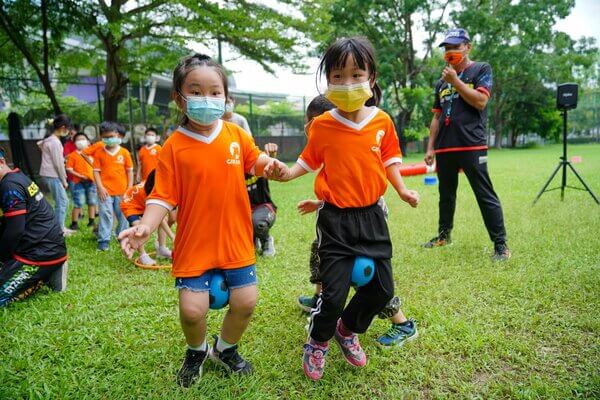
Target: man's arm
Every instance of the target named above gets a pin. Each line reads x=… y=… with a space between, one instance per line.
x=434 y=128
x=14 y=227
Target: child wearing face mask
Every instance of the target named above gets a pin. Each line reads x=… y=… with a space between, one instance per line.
x=82 y=176
x=201 y=172
x=355 y=150
x=148 y=154
x=113 y=173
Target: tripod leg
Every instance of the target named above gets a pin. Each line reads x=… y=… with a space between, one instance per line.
x=547 y=183
x=583 y=183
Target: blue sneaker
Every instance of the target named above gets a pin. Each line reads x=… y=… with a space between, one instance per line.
x=398 y=334
x=103 y=245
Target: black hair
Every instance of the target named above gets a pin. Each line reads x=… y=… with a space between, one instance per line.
x=60 y=121
x=189 y=63
x=75 y=136
x=151 y=129
x=364 y=55
x=318 y=106
x=149 y=185
x=110 y=126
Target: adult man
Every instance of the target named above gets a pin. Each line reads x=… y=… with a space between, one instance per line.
x=32 y=245
x=458 y=140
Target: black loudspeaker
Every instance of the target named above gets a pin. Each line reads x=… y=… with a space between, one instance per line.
x=566 y=96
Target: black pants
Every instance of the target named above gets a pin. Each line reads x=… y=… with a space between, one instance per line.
x=18 y=280
x=474 y=165
x=263 y=218
x=344 y=234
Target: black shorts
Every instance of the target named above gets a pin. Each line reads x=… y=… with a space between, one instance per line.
x=19 y=280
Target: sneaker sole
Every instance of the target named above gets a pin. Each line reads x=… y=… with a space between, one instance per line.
x=346 y=358
x=387 y=346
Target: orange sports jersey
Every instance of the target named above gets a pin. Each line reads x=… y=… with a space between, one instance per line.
x=149 y=159
x=113 y=169
x=354 y=157
x=134 y=200
x=204 y=177
x=78 y=164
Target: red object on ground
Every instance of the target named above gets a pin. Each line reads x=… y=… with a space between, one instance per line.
x=416 y=169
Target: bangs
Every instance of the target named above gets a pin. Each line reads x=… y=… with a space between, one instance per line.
x=337 y=54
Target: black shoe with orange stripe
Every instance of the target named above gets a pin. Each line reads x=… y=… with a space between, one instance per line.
x=443 y=239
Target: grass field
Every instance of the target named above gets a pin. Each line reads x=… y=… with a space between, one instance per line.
x=527 y=328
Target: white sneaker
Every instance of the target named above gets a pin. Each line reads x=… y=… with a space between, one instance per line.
x=269 y=247
x=164 y=252
x=145 y=259
x=68 y=232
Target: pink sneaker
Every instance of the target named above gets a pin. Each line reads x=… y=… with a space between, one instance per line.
x=350 y=347
x=313 y=360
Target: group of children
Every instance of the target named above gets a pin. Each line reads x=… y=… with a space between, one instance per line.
x=352 y=146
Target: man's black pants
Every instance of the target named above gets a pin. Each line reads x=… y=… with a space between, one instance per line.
x=474 y=165
x=344 y=234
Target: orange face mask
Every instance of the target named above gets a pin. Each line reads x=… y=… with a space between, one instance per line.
x=454 y=57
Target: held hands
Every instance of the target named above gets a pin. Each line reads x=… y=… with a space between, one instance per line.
x=449 y=75
x=410 y=196
x=133 y=239
x=307 y=206
x=276 y=170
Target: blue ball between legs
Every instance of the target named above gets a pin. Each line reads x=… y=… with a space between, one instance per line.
x=363 y=271
x=219 y=291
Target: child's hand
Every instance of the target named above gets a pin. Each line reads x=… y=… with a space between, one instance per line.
x=410 y=196
x=308 y=206
x=275 y=170
x=133 y=239
x=102 y=193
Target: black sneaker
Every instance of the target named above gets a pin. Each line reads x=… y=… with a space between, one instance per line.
x=191 y=369
x=230 y=359
x=501 y=252
x=74 y=226
x=91 y=223
x=443 y=239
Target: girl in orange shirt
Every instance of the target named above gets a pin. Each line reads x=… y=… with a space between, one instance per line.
x=201 y=172
x=357 y=149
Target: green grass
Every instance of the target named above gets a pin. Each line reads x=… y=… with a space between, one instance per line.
x=527 y=328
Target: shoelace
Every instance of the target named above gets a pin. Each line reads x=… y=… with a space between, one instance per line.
x=395 y=330
x=352 y=343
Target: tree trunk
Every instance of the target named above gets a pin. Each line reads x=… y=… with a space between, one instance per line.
x=402 y=119
x=116 y=81
x=497 y=126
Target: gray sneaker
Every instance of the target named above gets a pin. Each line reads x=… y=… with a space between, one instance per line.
x=268 y=247
x=58 y=279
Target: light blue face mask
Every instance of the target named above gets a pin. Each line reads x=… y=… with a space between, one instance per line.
x=112 y=141
x=204 y=110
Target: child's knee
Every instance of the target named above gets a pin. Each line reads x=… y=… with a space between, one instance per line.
x=243 y=307
x=191 y=314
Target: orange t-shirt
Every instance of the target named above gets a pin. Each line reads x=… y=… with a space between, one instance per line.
x=113 y=169
x=134 y=200
x=203 y=176
x=354 y=157
x=149 y=159
x=78 y=164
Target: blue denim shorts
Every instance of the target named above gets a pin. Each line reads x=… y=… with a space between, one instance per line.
x=235 y=278
x=84 y=192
